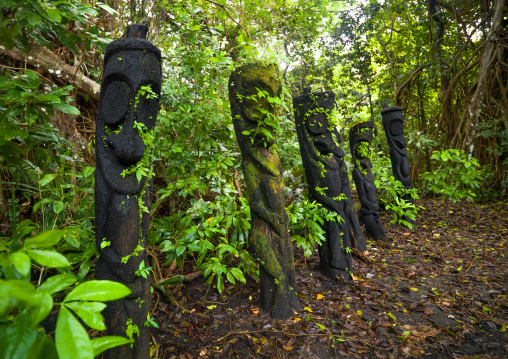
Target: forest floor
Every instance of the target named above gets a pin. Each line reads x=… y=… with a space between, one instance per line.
x=438 y=291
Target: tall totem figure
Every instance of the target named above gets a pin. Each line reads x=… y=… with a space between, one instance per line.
x=354 y=228
x=393 y=123
x=320 y=151
x=360 y=139
x=128 y=107
x=269 y=241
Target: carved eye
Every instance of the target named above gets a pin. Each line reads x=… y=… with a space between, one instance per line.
x=115 y=103
x=318 y=123
x=146 y=109
x=397 y=128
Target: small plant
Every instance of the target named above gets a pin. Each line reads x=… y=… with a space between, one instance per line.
x=23 y=305
x=455 y=176
x=305 y=220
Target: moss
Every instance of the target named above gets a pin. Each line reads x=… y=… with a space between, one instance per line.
x=250 y=75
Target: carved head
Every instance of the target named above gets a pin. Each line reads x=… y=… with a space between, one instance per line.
x=393 y=123
x=252 y=88
x=128 y=104
x=360 y=139
x=316 y=135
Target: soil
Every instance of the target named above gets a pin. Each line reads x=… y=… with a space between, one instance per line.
x=437 y=291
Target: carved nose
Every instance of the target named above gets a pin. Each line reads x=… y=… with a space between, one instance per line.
x=127 y=145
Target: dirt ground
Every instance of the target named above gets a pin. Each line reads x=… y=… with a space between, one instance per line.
x=438 y=291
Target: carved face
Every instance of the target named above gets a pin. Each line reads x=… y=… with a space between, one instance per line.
x=319 y=132
x=397 y=133
x=125 y=101
x=361 y=155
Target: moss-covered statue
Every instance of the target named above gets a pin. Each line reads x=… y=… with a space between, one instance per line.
x=251 y=90
x=360 y=139
x=128 y=108
x=393 y=123
x=321 y=154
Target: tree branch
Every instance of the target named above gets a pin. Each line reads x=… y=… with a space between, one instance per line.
x=41 y=57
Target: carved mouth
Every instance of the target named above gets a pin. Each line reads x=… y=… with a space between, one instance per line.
x=323 y=147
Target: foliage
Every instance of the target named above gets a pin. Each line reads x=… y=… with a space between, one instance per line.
x=23 y=305
x=391 y=193
x=455 y=176
x=306 y=219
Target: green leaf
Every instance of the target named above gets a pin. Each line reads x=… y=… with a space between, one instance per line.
x=111 y=12
x=238 y=274
x=66 y=108
x=58 y=206
x=46 y=179
x=4 y=302
x=101 y=344
x=172 y=281
x=90 y=312
x=98 y=290
x=58 y=282
x=40 y=312
x=45 y=239
x=44 y=349
x=230 y=277
x=54 y=14
x=71 y=338
x=17 y=339
x=48 y=258
x=21 y=262
x=220 y=283
x=35 y=80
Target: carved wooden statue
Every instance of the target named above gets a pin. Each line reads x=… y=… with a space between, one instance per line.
x=355 y=230
x=393 y=123
x=320 y=151
x=269 y=240
x=360 y=139
x=128 y=106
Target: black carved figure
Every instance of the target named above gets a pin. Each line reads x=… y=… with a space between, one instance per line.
x=269 y=239
x=360 y=139
x=320 y=151
x=354 y=228
x=393 y=123
x=128 y=105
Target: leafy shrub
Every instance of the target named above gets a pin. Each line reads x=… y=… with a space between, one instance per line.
x=455 y=175
x=23 y=305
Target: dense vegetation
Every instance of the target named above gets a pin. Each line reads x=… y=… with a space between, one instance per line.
x=445 y=63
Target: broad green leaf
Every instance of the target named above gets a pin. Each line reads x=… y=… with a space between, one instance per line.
x=66 y=108
x=48 y=258
x=49 y=98
x=4 y=302
x=71 y=338
x=44 y=349
x=101 y=344
x=46 y=179
x=58 y=282
x=21 y=262
x=19 y=290
x=238 y=274
x=45 y=239
x=35 y=80
x=40 y=312
x=98 y=290
x=111 y=12
x=54 y=14
x=58 y=206
x=90 y=312
x=17 y=339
